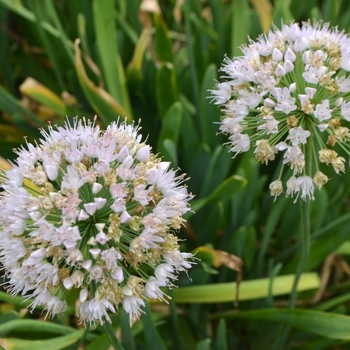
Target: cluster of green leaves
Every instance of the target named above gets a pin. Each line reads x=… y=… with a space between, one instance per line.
x=155 y=64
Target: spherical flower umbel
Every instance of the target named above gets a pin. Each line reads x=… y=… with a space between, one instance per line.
x=290 y=94
x=99 y=218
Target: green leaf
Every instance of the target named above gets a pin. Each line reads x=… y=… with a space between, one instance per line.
x=344 y=248
x=226 y=189
x=163 y=44
x=134 y=70
x=325 y=324
x=171 y=123
x=127 y=339
x=264 y=11
x=105 y=30
x=18 y=8
x=166 y=87
x=216 y=172
x=103 y=103
x=331 y=11
x=33 y=326
x=11 y=316
x=240 y=25
x=168 y=150
x=52 y=344
x=331 y=303
x=20 y=115
x=271 y=222
x=111 y=333
x=210 y=113
x=248 y=290
x=221 y=335
x=283 y=11
x=153 y=339
x=204 y=344
x=101 y=343
x=40 y=93
x=62 y=34
x=320 y=249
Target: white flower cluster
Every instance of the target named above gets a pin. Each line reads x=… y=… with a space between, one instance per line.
x=99 y=218
x=290 y=93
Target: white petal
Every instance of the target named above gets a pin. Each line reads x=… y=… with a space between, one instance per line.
x=300 y=44
x=269 y=103
x=338 y=102
x=322 y=127
x=280 y=71
x=95 y=252
x=288 y=66
x=101 y=238
x=310 y=92
x=281 y=146
x=82 y=215
x=100 y=202
x=125 y=217
x=290 y=55
x=143 y=154
x=87 y=265
x=117 y=274
x=83 y=295
x=100 y=226
x=90 y=208
x=277 y=55
x=96 y=187
x=292 y=87
x=68 y=283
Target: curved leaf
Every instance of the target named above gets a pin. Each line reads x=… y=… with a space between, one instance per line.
x=32 y=326
x=105 y=30
x=248 y=290
x=40 y=93
x=52 y=344
x=326 y=324
x=166 y=87
x=102 y=102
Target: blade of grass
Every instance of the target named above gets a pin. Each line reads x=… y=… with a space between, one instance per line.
x=264 y=11
x=105 y=30
x=24 y=325
x=318 y=322
x=240 y=26
x=102 y=102
x=193 y=72
x=47 y=44
x=153 y=339
x=22 y=11
x=248 y=290
x=62 y=34
x=52 y=344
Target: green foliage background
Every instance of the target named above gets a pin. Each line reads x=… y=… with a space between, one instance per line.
x=155 y=65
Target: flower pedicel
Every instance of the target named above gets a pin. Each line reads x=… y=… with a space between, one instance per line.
x=290 y=93
x=101 y=220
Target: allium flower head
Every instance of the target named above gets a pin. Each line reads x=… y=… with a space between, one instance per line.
x=100 y=219
x=289 y=94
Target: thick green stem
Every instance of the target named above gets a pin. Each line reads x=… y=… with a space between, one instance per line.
x=111 y=336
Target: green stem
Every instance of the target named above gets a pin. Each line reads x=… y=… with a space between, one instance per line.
x=111 y=336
